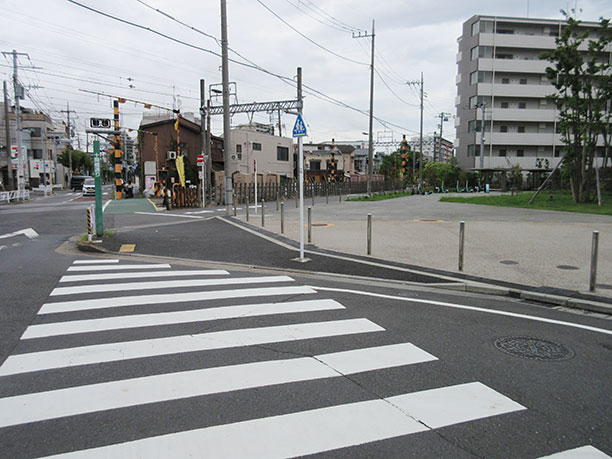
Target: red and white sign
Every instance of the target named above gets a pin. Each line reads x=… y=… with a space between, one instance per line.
x=200 y=160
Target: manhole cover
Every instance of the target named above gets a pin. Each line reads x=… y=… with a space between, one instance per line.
x=509 y=262
x=534 y=348
x=568 y=267
x=427 y=220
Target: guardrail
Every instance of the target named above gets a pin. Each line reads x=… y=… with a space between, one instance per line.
x=15 y=194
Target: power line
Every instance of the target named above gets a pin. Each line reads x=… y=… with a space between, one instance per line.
x=312 y=91
x=308 y=38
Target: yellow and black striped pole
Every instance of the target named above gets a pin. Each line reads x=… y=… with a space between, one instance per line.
x=117 y=150
x=89 y=225
x=332 y=170
x=404 y=157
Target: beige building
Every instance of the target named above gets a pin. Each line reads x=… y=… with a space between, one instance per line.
x=272 y=153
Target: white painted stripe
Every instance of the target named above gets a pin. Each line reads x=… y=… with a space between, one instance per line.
x=113 y=268
x=101 y=261
x=164 y=298
x=113 y=352
x=177 y=317
x=29 y=232
x=147 y=274
x=105 y=205
x=469 y=308
x=129 y=286
x=173 y=386
x=168 y=214
x=315 y=431
x=583 y=452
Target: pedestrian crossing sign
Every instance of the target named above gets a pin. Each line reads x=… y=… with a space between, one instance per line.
x=299 y=129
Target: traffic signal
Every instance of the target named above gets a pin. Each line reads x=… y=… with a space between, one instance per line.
x=102 y=123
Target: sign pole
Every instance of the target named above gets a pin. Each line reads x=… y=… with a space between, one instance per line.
x=98 y=180
x=255 y=174
x=299 y=131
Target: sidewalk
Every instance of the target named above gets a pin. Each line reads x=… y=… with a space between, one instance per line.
x=523 y=246
x=129 y=206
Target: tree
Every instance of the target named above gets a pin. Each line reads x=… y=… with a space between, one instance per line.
x=583 y=89
x=81 y=161
x=436 y=173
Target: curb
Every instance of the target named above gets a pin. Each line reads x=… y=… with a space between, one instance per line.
x=586 y=305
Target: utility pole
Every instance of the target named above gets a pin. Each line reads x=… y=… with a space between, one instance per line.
x=370 y=134
x=7 y=127
x=117 y=150
x=443 y=117
x=300 y=165
x=420 y=84
x=18 y=95
x=227 y=145
x=203 y=138
x=67 y=112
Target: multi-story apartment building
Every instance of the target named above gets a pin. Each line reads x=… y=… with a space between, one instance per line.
x=500 y=71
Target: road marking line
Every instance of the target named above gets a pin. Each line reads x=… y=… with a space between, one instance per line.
x=128 y=286
x=315 y=431
x=128 y=275
x=469 y=308
x=105 y=205
x=29 y=232
x=127 y=248
x=72 y=401
x=176 y=317
x=201 y=212
x=127 y=350
x=169 y=215
x=584 y=452
x=113 y=268
x=164 y=298
x=95 y=262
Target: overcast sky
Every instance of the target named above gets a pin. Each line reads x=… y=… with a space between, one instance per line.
x=80 y=49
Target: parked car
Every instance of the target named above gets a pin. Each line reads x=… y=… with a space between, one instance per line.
x=76 y=182
x=89 y=187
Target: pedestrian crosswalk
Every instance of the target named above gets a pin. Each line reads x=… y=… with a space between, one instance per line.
x=113 y=312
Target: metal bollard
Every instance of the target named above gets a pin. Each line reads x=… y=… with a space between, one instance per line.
x=277 y=198
x=246 y=207
x=297 y=198
x=309 y=224
x=339 y=195
x=326 y=194
x=369 y=234
x=234 y=202
x=282 y=210
x=312 y=194
x=263 y=213
x=461 y=241
x=594 y=250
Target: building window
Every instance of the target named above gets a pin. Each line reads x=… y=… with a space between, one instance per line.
x=557 y=128
x=282 y=154
x=238 y=148
x=475 y=28
x=503 y=56
x=521 y=129
x=520 y=152
x=503 y=129
x=504 y=105
x=505 y=81
x=502 y=152
x=314 y=165
x=256 y=146
x=522 y=105
x=485 y=52
x=36 y=154
x=474 y=53
x=523 y=81
x=557 y=152
x=35 y=132
x=505 y=31
x=473 y=77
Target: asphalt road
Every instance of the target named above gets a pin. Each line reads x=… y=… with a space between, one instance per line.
x=169 y=360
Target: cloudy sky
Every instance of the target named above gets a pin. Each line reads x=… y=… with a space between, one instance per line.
x=74 y=48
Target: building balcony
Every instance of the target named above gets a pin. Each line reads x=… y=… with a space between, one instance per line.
x=514 y=138
x=513 y=65
x=527 y=115
x=518 y=41
x=515 y=90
